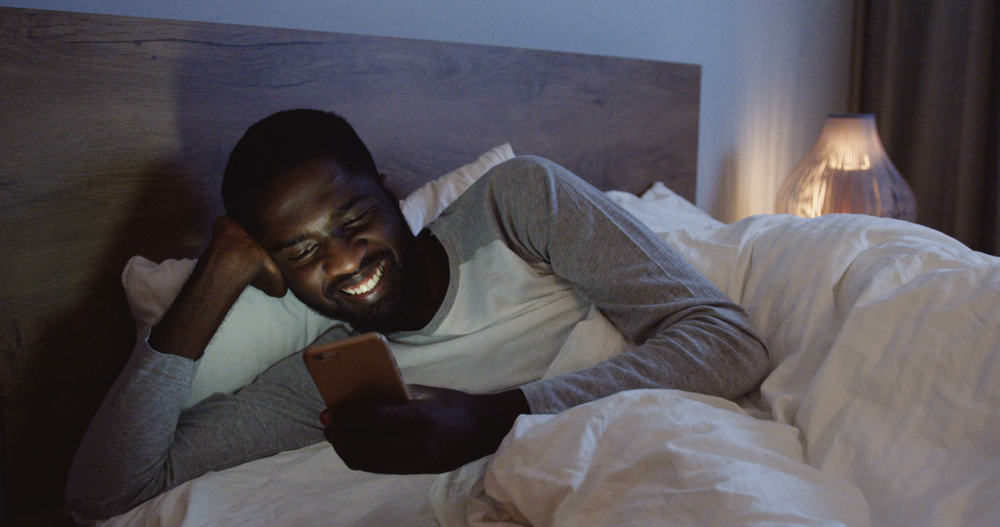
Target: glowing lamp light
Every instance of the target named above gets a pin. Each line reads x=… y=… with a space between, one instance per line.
x=847 y=171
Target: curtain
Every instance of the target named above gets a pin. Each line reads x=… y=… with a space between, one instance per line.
x=930 y=72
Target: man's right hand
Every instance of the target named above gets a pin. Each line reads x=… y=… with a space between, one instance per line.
x=229 y=236
x=231 y=261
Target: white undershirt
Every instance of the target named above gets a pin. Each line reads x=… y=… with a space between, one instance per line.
x=508 y=321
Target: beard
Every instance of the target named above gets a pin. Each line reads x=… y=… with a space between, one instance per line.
x=387 y=315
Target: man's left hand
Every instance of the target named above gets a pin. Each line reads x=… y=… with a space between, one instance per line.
x=436 y=431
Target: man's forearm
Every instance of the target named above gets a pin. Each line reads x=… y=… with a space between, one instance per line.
x=129 y=453
x=121 y=458
x=436 y=431
x=125 y=455
x=202 y=304
x=688 y=335
x=705 y=352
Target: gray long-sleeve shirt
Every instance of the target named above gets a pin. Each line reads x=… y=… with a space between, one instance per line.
x=558 y=245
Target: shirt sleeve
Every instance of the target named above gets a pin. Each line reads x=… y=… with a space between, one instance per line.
x=142 y=442
x=686 y=333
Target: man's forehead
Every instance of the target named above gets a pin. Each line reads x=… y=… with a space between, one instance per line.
x=309 y=197
x=318 y=171
x=314 y=179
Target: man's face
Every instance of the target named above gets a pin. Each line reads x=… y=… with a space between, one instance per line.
x=341 y=243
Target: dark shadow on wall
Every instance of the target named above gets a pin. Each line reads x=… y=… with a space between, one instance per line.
x=4 y=518
x=79 y=351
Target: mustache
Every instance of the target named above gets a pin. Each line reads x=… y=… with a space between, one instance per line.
x=340 y=282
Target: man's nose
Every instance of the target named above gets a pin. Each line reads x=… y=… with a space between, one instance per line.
x=344 y=256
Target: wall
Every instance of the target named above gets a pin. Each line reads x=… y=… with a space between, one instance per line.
x=771 y=69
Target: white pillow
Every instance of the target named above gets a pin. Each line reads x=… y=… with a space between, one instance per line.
x=426 y=203
x=260 y=330
x=663 y=210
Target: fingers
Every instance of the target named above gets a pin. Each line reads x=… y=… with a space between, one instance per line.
x=386 y=438
x=234 y=237
x=436 y=431
x=419 y=392
x=226 y=226
x=376 y=452
x=374 y=416
x=224 y=223
x=269 y=279
x=381 y=438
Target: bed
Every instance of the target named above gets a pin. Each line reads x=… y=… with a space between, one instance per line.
x=882 y=407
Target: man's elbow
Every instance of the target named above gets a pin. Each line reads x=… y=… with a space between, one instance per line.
x=759 y=359
x=742 y=359
x=91 y=498
x=84 y=506
x=753 y=362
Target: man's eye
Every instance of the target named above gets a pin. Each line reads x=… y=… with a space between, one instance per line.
x=358 y=220
x=304 y=254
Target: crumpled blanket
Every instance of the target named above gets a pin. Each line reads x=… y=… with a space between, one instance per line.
x=647 y=457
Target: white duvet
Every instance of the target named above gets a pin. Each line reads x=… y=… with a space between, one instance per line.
x=886 y=343
x=648 y=457
x=883 y=408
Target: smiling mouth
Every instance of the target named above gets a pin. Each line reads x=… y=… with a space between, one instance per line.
x=366 y=284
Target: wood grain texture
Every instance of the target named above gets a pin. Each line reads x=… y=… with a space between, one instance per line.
x=114 y=131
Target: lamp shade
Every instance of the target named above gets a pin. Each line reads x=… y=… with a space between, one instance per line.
x=847 y=171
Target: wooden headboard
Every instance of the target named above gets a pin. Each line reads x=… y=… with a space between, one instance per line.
x=114 y=132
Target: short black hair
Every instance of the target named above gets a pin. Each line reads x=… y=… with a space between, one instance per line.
x=278 y=143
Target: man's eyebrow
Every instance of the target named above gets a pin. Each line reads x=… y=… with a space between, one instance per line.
x=350 y=204
x=280 y=246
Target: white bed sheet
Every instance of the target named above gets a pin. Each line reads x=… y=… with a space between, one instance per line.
x=884 y=338
x=306 y=487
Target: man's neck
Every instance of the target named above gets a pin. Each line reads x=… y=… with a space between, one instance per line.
x=434 y=273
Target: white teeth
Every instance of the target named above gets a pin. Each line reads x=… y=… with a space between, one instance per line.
x=368 y=284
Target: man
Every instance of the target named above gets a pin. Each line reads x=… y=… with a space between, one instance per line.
x=480 y=302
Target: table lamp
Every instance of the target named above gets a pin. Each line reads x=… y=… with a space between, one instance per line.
x=847 y=171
